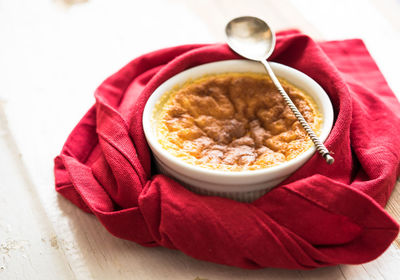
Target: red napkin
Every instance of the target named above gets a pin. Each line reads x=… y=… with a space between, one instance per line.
x=322 y=215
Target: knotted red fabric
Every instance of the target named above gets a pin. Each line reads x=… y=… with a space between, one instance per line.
x=322 y=215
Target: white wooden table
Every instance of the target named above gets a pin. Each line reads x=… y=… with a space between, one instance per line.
x=54 y=53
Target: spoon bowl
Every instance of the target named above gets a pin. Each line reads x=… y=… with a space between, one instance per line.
x=250 y=37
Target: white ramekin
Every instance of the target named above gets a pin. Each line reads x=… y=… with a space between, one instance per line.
x=246 y=185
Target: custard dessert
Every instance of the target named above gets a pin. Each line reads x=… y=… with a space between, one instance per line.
x=234 y=122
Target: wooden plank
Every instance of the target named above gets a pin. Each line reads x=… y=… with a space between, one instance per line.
x=26 y=247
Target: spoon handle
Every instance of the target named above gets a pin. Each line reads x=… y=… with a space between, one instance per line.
x=323 y=151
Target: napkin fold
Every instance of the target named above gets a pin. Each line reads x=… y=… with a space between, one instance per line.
x=320 y=216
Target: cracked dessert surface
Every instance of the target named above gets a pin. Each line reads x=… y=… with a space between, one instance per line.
x=234 y=121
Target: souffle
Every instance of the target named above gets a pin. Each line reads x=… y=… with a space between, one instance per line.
x=234 y=122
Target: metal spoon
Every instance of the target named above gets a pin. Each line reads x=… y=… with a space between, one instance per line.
x=253 y=39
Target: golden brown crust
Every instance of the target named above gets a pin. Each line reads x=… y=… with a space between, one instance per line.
x=235 y=121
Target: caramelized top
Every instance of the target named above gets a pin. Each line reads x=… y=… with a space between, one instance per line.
x=234 y=121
